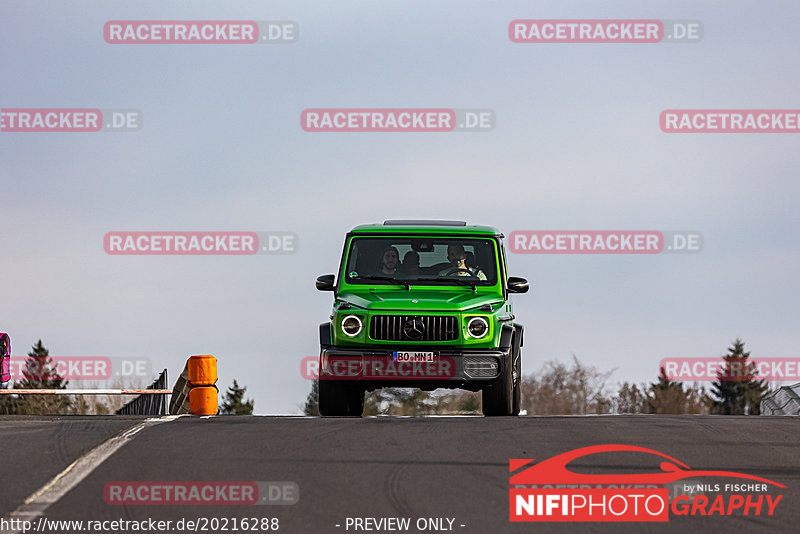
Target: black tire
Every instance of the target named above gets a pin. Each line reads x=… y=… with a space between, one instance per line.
x=517 y=378
x=342 y=400
x=498 y=398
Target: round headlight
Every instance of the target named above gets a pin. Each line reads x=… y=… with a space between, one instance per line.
x=351 y=325
x=477 y=327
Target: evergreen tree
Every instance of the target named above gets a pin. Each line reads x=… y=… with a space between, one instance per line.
x=312 y=401
x=41 y=373
x=664 y=383
x=737 y=389
x=233 y=404
x=666 y=396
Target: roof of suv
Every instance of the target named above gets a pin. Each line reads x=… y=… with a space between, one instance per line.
x=426 y=227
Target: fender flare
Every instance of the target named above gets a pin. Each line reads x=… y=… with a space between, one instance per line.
x=506 y=333
x=520 y=333
x=325 y=335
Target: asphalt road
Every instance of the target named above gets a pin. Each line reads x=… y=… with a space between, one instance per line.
x=452 y=468
x=34 y=449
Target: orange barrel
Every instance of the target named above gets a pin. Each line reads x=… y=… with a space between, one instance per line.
x=202 y=370
x=203 y=400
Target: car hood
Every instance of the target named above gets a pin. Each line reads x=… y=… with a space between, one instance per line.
x=445 y=300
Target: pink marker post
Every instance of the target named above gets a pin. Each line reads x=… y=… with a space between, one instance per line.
x=5 y=359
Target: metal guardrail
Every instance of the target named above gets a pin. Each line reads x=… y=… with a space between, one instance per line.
x=151 y=401
x=85 y=392
x=179 y=402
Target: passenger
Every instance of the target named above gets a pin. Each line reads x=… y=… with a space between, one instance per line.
x=411 y=262
x=389 y=259
x=458 y=258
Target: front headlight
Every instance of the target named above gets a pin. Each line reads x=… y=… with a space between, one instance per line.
x=351 y=325
x=477 y=327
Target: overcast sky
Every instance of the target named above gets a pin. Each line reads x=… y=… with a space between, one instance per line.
x=577 y=145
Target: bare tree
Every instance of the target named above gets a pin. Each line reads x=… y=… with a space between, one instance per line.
x=561 y=390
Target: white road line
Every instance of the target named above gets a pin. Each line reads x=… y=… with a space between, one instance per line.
x=35 y=505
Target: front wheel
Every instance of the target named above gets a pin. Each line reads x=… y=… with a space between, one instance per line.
x=517 y=381
x=498 y=398
x=337 y=399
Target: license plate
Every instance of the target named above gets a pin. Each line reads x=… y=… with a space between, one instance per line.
x=413 y=356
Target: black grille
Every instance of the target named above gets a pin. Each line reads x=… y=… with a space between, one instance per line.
x=407 y=327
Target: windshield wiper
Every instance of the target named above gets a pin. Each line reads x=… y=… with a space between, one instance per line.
x=388 y=279
x=447 y=279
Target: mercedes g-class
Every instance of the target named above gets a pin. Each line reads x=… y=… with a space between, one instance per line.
x=421 y=304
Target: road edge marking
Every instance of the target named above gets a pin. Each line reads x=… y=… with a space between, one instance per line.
x=35 y=505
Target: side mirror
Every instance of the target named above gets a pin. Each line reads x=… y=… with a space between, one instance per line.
x=326 y=282
x=517 y=285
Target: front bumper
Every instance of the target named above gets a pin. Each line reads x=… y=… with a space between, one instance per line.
x=374 y=367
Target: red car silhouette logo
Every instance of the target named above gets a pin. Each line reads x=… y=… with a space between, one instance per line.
x=554 y=470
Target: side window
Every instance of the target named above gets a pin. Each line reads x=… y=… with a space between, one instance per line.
x=439 y=254
x=402 y=249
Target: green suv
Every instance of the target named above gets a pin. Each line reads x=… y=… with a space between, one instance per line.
x=421 y=304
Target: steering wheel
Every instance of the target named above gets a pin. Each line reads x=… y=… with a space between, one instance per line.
x=456 y=270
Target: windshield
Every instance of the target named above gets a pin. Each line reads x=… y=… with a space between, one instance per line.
x=426 y=260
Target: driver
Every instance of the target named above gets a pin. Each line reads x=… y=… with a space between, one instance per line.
x=458 y=266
